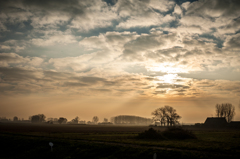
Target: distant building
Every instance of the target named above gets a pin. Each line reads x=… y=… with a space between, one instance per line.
x=129 y=119
x=235 y=124
x=216 y=122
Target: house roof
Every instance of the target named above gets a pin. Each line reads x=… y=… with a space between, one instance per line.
x=215 y=121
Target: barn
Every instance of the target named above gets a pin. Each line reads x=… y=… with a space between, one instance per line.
x=216 y=121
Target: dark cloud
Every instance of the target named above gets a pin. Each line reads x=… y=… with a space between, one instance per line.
x=182 y=90
x=10 y=57
x=69 y=6
x=53 y=75
x=18 y=74
x=215 y=7
x=160 y=92
x=102 y=90
x=234 y=42
x=111 y=2
x=139 y=48
x=90 y=80
x=74 y=84
x=166 y=85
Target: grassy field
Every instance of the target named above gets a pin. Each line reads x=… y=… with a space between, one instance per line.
x=79 y=141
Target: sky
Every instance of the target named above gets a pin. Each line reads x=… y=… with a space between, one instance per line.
x=68 y=58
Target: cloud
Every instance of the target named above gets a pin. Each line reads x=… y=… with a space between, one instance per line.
x=10 y=59
x=19 y=74
x=133 y=47
x=143 y=13
x=53 y=39
x=233 y=42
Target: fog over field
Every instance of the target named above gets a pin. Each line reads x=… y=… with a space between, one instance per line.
x=83 y=58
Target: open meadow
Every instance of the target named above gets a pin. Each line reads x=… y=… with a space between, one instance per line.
x=99 y=141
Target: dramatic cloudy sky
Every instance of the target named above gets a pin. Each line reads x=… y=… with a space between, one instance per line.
x=111 y=57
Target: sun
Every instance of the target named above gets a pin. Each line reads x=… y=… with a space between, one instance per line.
x=168 y=78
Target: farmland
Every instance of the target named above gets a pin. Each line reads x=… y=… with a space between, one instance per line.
x=94 y=141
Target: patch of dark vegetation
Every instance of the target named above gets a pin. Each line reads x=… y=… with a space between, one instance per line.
x=38 y=148
x=178 y=133
x=151 y=134
x=172 y=133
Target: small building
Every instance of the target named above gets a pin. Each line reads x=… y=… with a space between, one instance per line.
x=216 y=122
x=234 y=124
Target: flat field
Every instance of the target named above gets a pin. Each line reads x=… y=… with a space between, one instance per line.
x=100 y=141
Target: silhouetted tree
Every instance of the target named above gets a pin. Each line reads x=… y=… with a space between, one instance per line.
x=62 y=120
x=105 y=120
x=166 y=114
x=95 y=119
x=15 y=118
x=160 y=115
x=37 y=118
x=75 y=120
x=172 y=116
x=226 y=110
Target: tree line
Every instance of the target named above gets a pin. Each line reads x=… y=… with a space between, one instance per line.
x=226 y=110
x=167 y=115
x=61 y=120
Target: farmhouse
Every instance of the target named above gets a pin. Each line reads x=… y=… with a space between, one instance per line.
x=216 y=121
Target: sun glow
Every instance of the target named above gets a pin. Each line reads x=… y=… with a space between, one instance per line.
x=168 y=78
x=167 y=67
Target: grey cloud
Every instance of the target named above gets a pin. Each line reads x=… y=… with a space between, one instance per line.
x=18 y=74
x=180 y=94
x=11 y=57
x=124 y=90
x=95 y=80
x=214 y=8
x=182 y=90
x=151 y=79
x=233 y=42
x=181 y=86
x=159 y=92
x=166 y=85
x=171 y=54
x=74 y=84
x=52 y=14
x=91 y=80
x=102 y=90
x=73 y=6
x=56 y=75
x=148 y=87
x=137 y=49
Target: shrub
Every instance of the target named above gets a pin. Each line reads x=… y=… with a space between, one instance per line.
x=178 y=133
x=150 y=134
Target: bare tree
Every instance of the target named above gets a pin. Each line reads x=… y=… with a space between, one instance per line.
x=105 y=120
x=37 y=118
x=172 y=116
x=95 y=119
x=226 y=110
x=160 y=115
x=62 y=120
x=166 y=114
x=15 y=118
x=75 y=120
